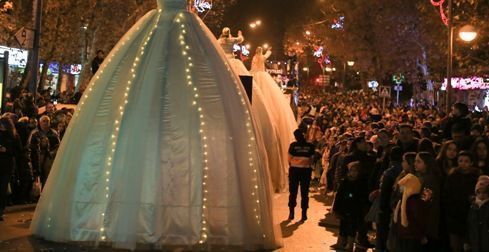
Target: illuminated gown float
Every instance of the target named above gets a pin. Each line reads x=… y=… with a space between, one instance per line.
x=262 y=112
x=281 y=114
x=162 y=149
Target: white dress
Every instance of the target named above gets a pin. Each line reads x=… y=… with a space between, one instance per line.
x=283 y=117
x=236 y=64
x=264 y=116
x=162 y=150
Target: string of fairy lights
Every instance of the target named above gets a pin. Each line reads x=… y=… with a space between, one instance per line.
x=188 y=61
x=117 y=122
x=251 y=160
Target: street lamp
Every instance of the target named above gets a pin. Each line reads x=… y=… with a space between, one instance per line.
x=467 y=33
x=308 y=33
x=255 y=24
x=350 y=63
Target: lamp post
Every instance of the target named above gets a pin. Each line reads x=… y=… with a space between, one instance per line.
x=350 y=63
x=33 y=85
x=466 y=33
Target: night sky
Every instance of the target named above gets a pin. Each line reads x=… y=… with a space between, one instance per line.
x=275 y=15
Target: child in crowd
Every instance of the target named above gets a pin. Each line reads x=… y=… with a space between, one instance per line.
x=478 y=220
x=459 y=187
x=349 y=206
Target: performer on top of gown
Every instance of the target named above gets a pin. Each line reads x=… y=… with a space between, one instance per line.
x=263 y=114
x=162 y=149
x=280 y=110
x=227 y=41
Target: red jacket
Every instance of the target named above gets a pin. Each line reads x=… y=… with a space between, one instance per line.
x=416 y=214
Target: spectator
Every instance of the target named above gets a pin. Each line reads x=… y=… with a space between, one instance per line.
x=10 y=146
x=410 y=216
x=43 y=144
x=459 y=187
x=97 y=61
x=478 y=220
x=351 y=202
x=427 y=171
x=480 y=150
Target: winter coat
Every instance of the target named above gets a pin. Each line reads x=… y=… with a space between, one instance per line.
x=351 y=199
x=42 y=148
x=431 y=182
x=416 y=215
x=387 y=186
x=367 y=164
x=13 y=147
x=458 y=190
x=478 y=228
x=462 y=121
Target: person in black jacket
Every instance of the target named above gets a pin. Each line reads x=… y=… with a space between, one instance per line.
x=301 y=154
x=386 y=187
x=459 y=187
x=97 y=61
x=407 y=141
x=9 y=147
x=350 y=204
x=458 y=116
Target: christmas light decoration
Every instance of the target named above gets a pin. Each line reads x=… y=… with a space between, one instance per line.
x=398 y=79
x=467 y=83
x=322 y=59
x=338 y=23
x=439 y=4
x=202 y=5
x=373 y=84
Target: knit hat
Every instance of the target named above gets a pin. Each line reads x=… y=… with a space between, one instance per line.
x=482 y=183
x=411 y=185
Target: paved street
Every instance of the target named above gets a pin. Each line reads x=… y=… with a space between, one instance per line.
x=308 y=236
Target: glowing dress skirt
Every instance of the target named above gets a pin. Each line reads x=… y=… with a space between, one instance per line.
x=162 y=149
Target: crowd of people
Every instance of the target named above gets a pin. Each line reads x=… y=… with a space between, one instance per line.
x=418 y=175
x=29 y=140
x=415 y=175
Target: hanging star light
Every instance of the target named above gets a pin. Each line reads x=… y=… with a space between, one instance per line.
x=439 y=4
x=338 y=23
x=202 y=5
x=322 y=58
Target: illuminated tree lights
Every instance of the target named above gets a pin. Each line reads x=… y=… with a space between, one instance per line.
x=439 y=4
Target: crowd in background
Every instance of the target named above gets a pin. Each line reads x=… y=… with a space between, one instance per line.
x=31 y=130
x=418 y=175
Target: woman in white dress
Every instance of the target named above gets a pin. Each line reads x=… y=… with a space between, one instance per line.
x=262 y=112
x=280 y=109
x=162 y=150
x=227 y=41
